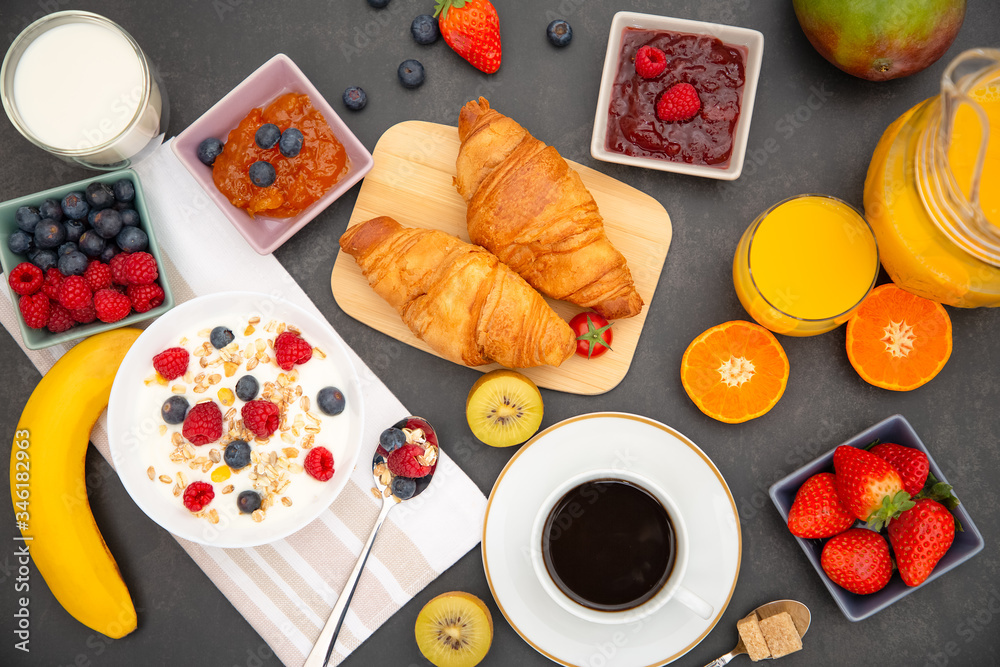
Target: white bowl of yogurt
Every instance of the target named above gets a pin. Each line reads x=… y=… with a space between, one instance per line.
x=156 y=463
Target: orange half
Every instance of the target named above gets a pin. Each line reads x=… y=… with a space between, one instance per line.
x=898 y=340
x=735 y=371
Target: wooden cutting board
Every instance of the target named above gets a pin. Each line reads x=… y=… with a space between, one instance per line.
x=412 y=182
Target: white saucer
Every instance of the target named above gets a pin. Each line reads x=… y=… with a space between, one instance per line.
x=610 y=440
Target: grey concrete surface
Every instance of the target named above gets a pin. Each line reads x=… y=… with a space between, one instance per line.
x=204 y=47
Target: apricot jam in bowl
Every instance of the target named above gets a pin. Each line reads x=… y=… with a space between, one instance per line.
x=677 y=95
x=328 y=161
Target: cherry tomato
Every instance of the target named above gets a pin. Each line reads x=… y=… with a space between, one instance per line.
x=593 y=334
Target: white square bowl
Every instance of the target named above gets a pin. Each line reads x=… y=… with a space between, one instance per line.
x=277 y=76
x=752 y=40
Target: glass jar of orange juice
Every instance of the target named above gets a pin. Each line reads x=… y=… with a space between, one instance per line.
x=932 y=194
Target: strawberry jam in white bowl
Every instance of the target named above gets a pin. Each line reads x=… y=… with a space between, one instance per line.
x=225 y=463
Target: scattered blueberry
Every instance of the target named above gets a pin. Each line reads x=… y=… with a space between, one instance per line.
x=107 y=222
x=355 y=98
x=91 y=243
x=247 y=388
x=209 y=149
x=75 y=206
x=132 y=239
x=221 y=337
x=403 y=487
x=425 y=29
x=130 y=217
x=411 y=73
x=27 y=217
x=20 y=242
x=43 y=259
x=69 y=246
x=262 y=174
x=124 y=190
x=100 y=195
x=237 y=454
x=267 y=136
x=379 y=4
x=330 y=400
x=248 y=502
x=50 y=208
x=559 y=33
x=391 y=439
x=49 y=234
x=74 y=230
x=174 y=409
x=110 y=250
x=73 y=263
x=291 y=142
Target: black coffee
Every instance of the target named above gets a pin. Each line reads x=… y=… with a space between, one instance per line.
x=609 y=545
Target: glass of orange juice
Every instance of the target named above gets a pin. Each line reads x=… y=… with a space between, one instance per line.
x=805 y=265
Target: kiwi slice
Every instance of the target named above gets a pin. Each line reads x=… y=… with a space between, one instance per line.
x=454 y=630
x=504 y=408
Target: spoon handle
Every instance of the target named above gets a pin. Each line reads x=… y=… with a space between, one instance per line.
x=722 y=660
x=323 y=648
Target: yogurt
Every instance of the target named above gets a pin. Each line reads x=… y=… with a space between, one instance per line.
x=276 y=469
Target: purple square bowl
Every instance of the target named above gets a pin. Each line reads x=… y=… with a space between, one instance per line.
x=278 y=75
x=857 y=607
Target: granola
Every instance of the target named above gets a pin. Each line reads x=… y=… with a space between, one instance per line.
x=276 y=468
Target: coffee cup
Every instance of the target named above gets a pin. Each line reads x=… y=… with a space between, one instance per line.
x=610 y=546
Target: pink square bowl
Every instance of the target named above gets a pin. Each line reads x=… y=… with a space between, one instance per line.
x=278 y=75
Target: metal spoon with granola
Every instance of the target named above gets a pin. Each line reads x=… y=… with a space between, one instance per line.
x=402 y=467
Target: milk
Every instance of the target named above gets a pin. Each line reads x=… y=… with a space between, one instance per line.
x=82 y=89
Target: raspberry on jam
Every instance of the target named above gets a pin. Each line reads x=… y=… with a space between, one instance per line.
x=714 y=69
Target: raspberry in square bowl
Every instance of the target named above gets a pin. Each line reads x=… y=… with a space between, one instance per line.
x=677 y=95
x=704 y=131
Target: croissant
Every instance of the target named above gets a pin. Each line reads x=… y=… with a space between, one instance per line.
x=457 y=297
x=528 y=207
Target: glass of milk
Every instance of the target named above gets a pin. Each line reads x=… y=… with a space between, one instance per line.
x=77 y=85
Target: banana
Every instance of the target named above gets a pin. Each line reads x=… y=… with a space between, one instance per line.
x=53 y=433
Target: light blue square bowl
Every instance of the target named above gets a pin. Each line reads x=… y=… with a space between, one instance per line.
x=857 y=607
x=37 y=339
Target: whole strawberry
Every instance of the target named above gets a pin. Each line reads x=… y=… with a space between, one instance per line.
x=817 y=510
x=911 y=464
x=472 y=29
x=870 y=488
x=857 y=560
x=920 y=537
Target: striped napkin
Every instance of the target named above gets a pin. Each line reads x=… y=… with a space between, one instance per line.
x=287 y=589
